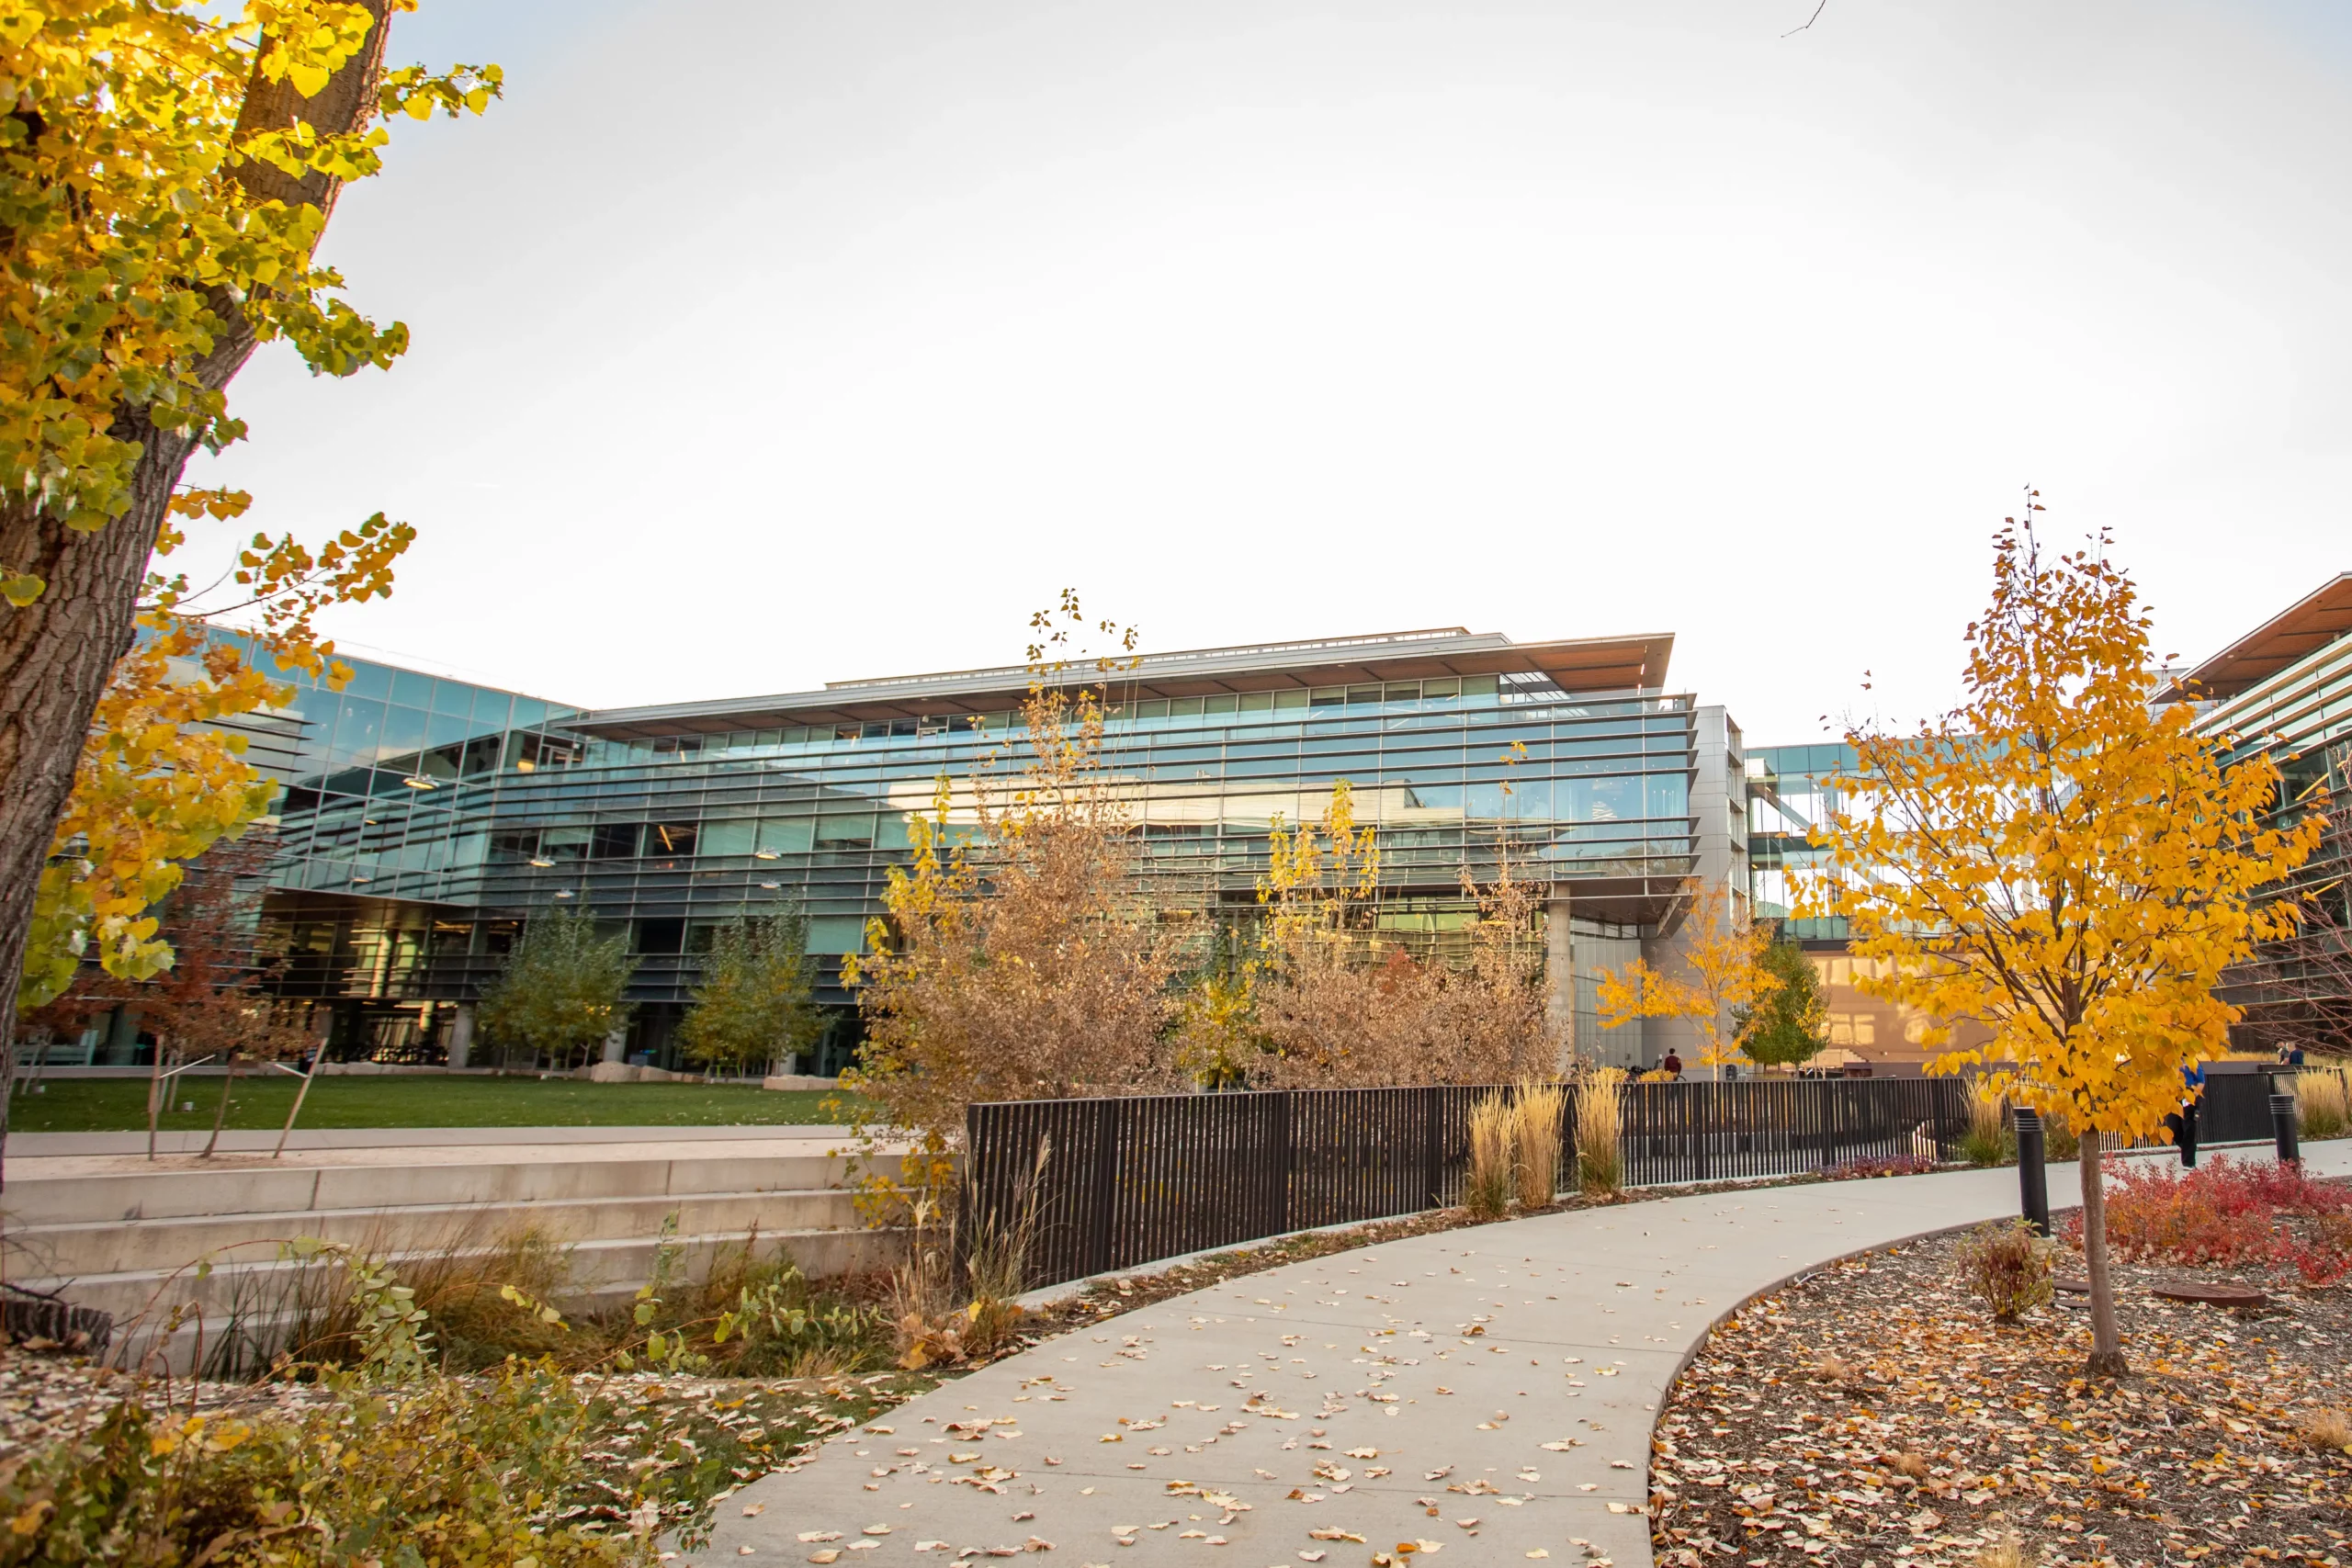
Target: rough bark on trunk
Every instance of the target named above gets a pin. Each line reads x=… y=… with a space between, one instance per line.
x=2107 y=1341
x=57 y=653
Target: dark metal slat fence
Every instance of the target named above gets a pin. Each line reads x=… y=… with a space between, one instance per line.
x=1112 y=1183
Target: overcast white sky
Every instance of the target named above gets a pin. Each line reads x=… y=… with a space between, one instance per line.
x=759 y=342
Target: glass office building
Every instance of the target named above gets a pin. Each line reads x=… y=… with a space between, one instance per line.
x=2285 y=688
x=425 y=819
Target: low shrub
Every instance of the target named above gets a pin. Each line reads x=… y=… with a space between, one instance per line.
x=2007 y=1267
x=2156 y=1215
x=400 y=1462
x=2225 y=1213
x=2322 y=1257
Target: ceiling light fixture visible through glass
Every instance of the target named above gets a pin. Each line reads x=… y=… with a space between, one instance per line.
x=770 y=887
x=763 y=855
x=563 y=892
x=418 y=781
x=541 y=862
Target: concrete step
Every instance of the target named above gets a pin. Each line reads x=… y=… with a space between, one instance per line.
x=166 y=1317
x=74 y=1249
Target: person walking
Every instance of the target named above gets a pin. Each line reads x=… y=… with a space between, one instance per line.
x=1673 y=1065
x=2183 y=1121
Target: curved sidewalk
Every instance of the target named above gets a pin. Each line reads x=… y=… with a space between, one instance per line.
x=1489 y=1390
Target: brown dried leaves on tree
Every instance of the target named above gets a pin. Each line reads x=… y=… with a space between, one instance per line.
x=1019 y=959
x=1340 y=1005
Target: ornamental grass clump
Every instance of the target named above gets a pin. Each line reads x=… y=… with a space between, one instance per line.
x=1486 y=1188
x=2007 y=1267
x=1600 y=1162
x=1986 y=1140
x=1536 y=1125
x=2321 y=1107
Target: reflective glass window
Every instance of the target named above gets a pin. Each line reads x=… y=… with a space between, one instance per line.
x=831 y=934
x=358 y=729
x=785 y=835
x=1669 y=796
x=671 y=838
x=728 y=835
x=412 y=689
x=613 y=841
x=566 y=843
x=403 y=729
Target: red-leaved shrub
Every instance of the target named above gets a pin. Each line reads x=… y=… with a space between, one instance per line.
x=2324 y=1257
x=2222 y=1213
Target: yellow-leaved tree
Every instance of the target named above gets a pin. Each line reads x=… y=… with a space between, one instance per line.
x=2065 y=863
x=1720 y=970
x=166 y=169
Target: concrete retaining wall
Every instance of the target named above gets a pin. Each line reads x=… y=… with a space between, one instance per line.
x=122 y=1234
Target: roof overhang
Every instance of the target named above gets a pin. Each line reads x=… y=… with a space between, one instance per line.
x=1588 y=664
x=2311 y=623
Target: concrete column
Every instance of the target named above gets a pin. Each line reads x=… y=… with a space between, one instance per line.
x=616 y=1046
x=1560 y=972
x=461 y=1034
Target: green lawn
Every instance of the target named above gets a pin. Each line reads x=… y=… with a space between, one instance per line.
x=98 y=1105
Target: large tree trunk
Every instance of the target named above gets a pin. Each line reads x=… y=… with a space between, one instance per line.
x=56 y=653
x=2107 y=1341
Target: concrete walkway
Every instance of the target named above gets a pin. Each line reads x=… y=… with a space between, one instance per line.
x=1489 y=1391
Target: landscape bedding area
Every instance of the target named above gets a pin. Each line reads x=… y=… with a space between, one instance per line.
x=1874 y=1414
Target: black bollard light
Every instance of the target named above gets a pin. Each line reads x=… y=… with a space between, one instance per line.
x=2283 y=1127
x=2033 y=1181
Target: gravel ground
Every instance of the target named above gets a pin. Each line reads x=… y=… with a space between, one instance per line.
x=1874 y=1414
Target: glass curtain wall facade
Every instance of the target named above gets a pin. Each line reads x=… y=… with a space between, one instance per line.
x=425 y=818
x=2285 y=689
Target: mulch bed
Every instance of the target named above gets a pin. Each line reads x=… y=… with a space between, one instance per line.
x=1872 y=1414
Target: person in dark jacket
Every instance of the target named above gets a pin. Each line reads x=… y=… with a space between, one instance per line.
x=2183 y=1121
x=1673 y=1065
